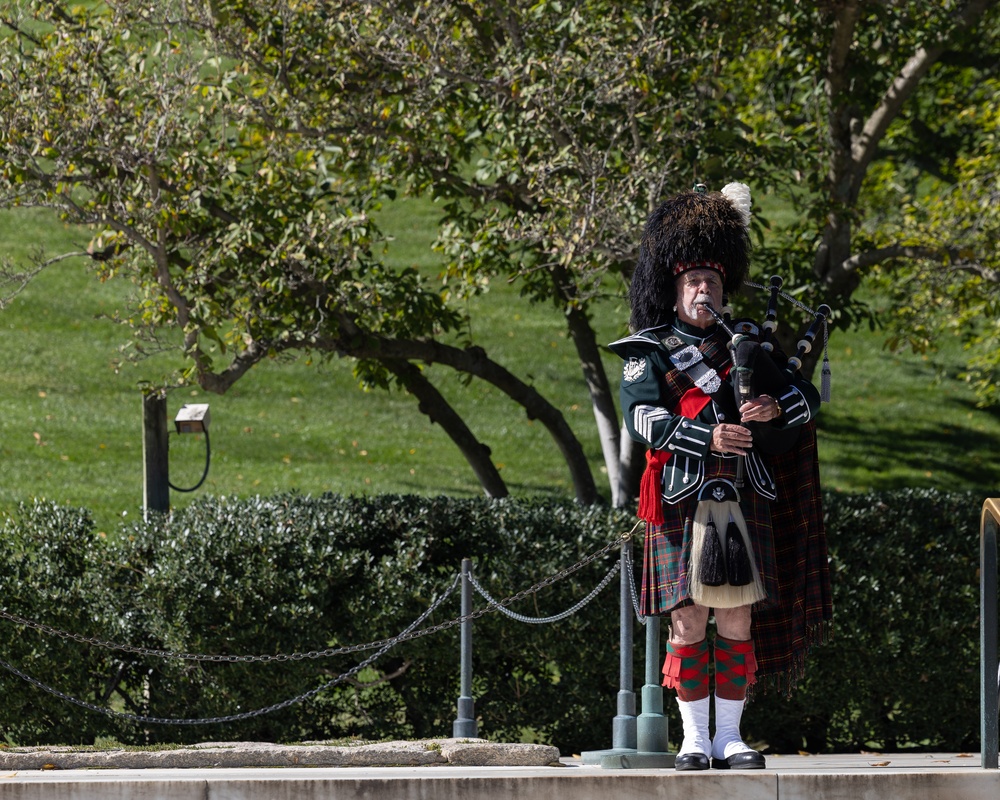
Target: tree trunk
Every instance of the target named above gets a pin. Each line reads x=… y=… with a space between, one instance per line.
x=854 y=141
x=835 y=245
x=474 y=361
x=630 y=470
x=601 y=399
x=432 y=403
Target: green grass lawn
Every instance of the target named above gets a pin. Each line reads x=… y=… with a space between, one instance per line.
x=904 y=420
x=71 y=422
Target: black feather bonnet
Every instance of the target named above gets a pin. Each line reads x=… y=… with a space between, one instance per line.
x=691 y=230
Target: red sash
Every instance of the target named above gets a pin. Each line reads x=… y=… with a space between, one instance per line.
x=687 y=399
x=692 y=403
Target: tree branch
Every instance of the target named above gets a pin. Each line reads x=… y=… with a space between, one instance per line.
x=220 y=382
x=473 y=361
x=19 y=280
x=863 y=148
x=951 y=256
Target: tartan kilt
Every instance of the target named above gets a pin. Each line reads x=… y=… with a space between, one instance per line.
x=667 y=548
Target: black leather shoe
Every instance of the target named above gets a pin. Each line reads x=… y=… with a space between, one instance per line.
x=748 y=759
x=690 y=762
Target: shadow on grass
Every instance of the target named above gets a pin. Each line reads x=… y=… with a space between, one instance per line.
x=914 y=453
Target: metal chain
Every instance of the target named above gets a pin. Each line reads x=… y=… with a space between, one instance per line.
x=182 y=656
x=246 y=714
x=384 y=645
x=631 y=585
x=555 y=617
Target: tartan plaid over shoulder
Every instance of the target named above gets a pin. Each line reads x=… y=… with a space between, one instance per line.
x=715 y=351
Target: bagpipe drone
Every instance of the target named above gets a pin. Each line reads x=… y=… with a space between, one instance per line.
x=756 y=365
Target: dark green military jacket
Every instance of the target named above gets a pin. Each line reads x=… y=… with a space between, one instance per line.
x=676 y=388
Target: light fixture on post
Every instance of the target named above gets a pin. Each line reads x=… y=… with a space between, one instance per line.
x=193 y=418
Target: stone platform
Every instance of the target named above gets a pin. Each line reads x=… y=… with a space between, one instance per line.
x=215 y=755
x=946 y=776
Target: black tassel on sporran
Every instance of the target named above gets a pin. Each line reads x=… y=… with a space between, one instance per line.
x=738 y=565
x=713 y=565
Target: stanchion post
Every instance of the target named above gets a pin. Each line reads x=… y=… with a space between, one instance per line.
x=989 y=676
x=623 y=733
x=623 y=725
x=651 y=725
x=465 y=725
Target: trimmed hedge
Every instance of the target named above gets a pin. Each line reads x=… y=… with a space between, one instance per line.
x=903 y=669
x=294 y=574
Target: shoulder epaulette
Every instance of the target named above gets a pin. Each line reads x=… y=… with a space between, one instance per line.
x=648 y=337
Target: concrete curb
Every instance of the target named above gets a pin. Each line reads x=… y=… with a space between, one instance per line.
x=427 y=752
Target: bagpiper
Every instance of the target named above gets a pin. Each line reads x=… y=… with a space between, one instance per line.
x=730 y=494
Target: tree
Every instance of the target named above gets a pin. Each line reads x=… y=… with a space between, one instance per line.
x=880 y=114
x=229 y=156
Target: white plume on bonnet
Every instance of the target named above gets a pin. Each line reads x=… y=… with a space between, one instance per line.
x=739 y=195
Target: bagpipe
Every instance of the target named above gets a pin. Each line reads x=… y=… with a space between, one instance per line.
x=761 y=369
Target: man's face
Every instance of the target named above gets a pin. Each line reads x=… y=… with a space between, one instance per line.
x=694 y=287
